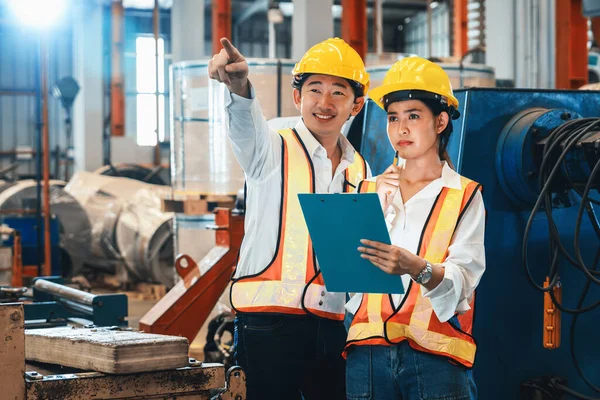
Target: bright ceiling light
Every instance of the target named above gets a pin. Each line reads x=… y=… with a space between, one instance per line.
x=37 y=13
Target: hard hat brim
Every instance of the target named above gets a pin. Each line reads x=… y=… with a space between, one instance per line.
x=376 y=94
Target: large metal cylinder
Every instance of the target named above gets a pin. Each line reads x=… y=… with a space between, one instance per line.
x=128 y=225
x=201 y=157
x=144 y=236
x=75 y=228
x=471 y=75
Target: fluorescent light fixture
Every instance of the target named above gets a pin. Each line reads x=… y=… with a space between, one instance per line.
x=434 y=4
x=37 y=13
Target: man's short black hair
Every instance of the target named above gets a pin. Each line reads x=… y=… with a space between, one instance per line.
x=357 y=88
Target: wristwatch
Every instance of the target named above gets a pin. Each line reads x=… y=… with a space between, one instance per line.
x=425 y=275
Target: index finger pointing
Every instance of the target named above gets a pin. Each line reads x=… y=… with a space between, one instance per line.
x=232 y=52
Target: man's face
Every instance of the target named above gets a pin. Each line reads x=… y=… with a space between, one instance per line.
x=325 y=103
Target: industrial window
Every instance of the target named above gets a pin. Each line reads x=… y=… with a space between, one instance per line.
x=145 y=66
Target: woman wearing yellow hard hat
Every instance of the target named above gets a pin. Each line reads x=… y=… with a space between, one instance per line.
x=289 y=328
x=419 y=345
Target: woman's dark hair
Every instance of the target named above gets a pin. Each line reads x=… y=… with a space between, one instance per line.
x=437 y=107
x=357 y=88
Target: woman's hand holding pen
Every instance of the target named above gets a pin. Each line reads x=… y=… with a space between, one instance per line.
x=388 y=184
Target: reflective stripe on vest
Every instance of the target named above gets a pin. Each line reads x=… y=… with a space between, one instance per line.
x=291 y=284
x=376 y=321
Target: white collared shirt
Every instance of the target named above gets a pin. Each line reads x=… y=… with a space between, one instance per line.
x=258 y=149
x=465 y=263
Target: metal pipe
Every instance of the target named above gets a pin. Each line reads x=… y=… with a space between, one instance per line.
x=17 y=92
x=378 y=26
x=156 y=25
x=429 y=30
x=65 y=292
x=17 y=261
x=47 y=270
x=76 y=307
x=38 y=158
x=272 y=39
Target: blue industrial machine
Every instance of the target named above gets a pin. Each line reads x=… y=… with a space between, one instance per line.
x=54 y=304
x=32 y=253
x=516 y=142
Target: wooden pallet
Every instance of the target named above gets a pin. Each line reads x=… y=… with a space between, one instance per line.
x=197 y=204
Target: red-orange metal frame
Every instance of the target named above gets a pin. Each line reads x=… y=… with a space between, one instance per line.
x=185 y=308
x=221 y=22
x=354 y=25
x=117 y=93
x=460 y=26
x=571 y=45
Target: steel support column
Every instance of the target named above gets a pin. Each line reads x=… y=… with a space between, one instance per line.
x=571 y=45
x=221 y=22
x=460 y=28
x=354 y=25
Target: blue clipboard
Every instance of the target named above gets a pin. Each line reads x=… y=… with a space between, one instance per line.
x=337 y=223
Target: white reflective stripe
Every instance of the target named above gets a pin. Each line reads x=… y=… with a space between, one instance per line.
x=295 y=235
x=273 y=293
x=332 y=302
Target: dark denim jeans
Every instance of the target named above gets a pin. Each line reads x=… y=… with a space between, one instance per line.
x=291 y=357
x=401 y=373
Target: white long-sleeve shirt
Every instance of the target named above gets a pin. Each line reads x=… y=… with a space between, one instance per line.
x=465 y=263
x=258 y=149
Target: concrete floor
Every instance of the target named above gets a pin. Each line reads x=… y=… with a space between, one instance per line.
x=139 y=307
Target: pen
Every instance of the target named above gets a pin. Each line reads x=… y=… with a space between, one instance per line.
x=395 y=163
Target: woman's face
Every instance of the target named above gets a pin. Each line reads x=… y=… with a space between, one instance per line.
x=413 y=129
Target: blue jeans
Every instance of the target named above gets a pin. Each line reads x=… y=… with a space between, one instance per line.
x=291 y=357
x=399 y=372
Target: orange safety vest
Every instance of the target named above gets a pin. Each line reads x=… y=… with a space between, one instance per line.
x=378 y=322
x=291 y=283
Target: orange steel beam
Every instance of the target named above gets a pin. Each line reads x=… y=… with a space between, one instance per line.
x=571 y=45
x=354 y=25
x=47 y=268
x=117 y=93
x=221 y=22
x=460 y=26
x=185 y=308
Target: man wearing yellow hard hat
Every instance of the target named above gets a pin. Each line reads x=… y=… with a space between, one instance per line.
x=418 y=346
x=289 y=328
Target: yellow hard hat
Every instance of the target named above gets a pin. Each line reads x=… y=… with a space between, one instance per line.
x=415 y=74
x=334 y=57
